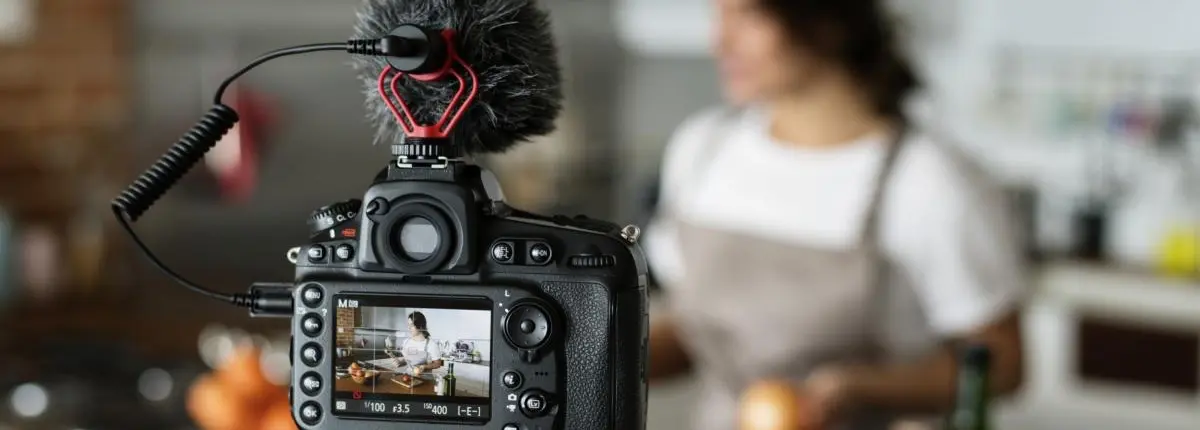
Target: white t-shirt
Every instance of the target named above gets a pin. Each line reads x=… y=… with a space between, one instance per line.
x=420 y=347
x=945 y=228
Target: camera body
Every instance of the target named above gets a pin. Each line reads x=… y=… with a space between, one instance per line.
x=436 y=306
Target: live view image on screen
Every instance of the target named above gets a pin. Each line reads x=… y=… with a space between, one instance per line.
x=409 y=355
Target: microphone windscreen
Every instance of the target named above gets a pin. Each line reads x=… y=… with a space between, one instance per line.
x=510 y=46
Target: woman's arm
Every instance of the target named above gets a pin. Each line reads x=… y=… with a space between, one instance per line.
x=929 y=385
x=667 y=356
x=435 y=364
x=958 y=243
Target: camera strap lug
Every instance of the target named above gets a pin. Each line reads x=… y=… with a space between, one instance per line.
x=631 y=233
x=293 y=255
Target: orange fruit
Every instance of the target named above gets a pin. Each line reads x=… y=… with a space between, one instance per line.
x=278 y=417
x=243 y=374
x=773 y=405
x=213 y=408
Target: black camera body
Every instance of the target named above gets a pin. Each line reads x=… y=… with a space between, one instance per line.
x=433 y=305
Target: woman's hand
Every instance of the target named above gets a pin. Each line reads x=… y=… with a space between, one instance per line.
x=668 y=358
x=418 y=370
x=827 y=394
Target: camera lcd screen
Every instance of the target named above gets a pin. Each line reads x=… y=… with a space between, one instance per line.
x=413 y=357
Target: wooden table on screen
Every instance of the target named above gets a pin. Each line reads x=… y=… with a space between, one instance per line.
x=384 y=384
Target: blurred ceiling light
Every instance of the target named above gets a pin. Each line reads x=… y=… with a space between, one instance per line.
x=156 y=385
x=16 y=21
x=30 y=400
x=214 y=345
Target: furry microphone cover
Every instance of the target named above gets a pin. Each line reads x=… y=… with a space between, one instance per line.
x=509 y=45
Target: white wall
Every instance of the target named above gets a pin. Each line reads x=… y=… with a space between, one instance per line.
x=454 y=325
x=385 y=318
x=446 y=324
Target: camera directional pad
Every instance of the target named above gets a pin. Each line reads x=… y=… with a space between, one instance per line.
x=528 y=327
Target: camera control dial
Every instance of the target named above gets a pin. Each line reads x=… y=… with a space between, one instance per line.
x=528 y=327
x=329 y=216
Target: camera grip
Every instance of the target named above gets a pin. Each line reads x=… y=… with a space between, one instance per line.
x=601 y=331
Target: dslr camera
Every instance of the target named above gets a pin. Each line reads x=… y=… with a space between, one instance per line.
x=431 y=304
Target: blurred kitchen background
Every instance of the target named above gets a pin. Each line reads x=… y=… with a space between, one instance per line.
x=1086 y=108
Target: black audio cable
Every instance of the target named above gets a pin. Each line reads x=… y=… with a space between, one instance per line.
x=136 y=199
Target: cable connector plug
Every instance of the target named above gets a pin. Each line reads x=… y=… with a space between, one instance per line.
x=269 y=300
x=409 y=49
x=387 y=46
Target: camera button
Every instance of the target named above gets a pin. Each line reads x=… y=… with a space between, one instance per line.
x=503 y=252
x=527 y=326
x=312 y=296
x=539 y=253
x=344 y=253
x=311 y=325
x=534 y=404
x=316 y=253
x=512 y=379
x=311 y=384
x=310 y=413
x=311 y=354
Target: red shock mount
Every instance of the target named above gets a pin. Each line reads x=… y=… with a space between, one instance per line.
x=454 y=110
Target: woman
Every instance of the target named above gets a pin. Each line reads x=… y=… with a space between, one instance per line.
x=812 y=235
x=419 y=353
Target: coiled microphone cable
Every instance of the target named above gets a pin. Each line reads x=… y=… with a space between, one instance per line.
x=136 y=199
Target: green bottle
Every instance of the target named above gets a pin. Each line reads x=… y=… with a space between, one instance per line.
x=973 y=396
x=448 y=381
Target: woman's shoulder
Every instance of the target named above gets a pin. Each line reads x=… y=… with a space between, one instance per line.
x=932 y=161
x=937 y=179
x=686 y=145
x=707 y=119
x=698 y=128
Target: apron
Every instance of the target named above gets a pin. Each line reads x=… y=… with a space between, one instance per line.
x=752 y=308
x=415 y=356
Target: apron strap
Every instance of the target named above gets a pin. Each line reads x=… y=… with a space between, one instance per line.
x=880 y=294
x=870 y=229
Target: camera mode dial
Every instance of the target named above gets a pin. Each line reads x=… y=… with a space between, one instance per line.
x=329 y=216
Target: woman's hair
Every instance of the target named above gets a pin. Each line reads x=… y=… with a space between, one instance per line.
x=858 y=35
x=418 y=320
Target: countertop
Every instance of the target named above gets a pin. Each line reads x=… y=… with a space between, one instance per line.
x=1126 y=291
x=389 y=364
